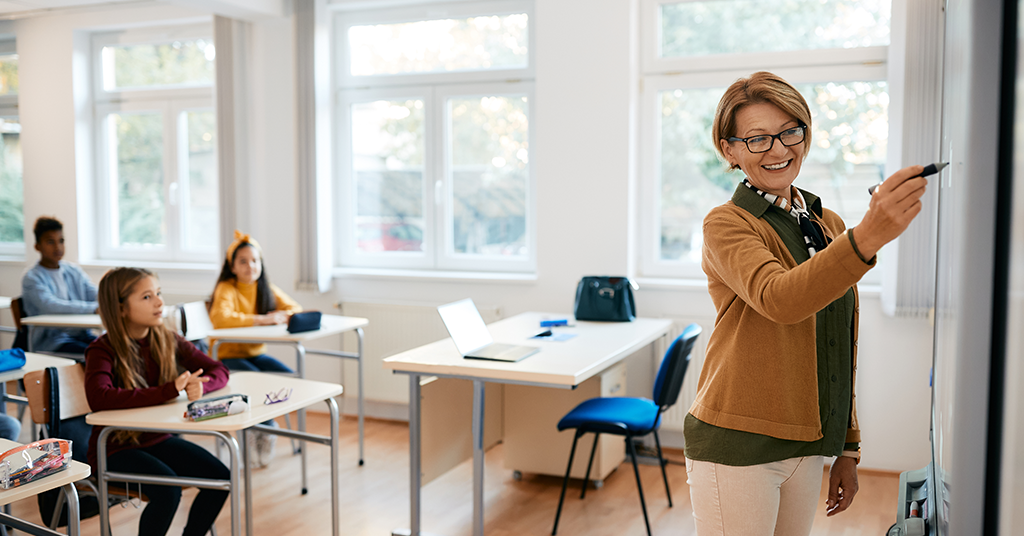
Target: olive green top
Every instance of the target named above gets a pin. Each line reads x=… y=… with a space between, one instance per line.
x=834 y=341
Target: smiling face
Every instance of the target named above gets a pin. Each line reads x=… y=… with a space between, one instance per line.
x=773 y=171
x=143 y=308
x=247 y=266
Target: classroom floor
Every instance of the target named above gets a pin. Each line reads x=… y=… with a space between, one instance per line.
x=375 y=497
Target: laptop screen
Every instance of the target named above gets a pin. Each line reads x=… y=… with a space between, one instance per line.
x=465 y=325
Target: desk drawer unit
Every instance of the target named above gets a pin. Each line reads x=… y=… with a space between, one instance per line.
x=532 y=442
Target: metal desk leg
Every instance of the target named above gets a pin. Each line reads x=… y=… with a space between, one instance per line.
x=478 y=457
x=74 y=518
x=359 y=334
x=414 y=460
x=300 y=364
x=247 y=476
x=335 y=473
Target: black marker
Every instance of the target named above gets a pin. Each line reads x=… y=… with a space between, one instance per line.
x=930 y=169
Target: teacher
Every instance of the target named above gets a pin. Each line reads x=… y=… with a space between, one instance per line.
x=776 y=393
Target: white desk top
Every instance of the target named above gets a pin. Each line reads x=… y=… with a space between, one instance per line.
x=597 y=346
x=5 y=302
x=75 y=472
x=256 y=385
x=329 y=325
x=33 y=362
x=91 y=321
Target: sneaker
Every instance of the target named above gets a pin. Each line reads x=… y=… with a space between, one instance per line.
x=265 y=444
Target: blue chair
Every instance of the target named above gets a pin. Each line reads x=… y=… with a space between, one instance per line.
x=631 y=417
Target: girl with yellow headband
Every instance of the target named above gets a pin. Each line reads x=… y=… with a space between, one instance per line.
x=245 y=297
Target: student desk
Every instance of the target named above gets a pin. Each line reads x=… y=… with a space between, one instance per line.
x=168 y=418
x=564 y=365
x=88 y=321
x=66 y=479
x=278 y=334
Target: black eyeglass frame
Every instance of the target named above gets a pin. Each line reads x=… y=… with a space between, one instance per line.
x=802 y=127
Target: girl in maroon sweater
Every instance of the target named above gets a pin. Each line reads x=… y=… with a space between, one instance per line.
x=139 y=363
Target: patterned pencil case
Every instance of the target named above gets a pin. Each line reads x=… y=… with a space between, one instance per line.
x=33 y=461
x=221 y=406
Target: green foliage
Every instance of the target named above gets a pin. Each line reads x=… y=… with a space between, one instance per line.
x=12 y=219
x=177 y=63
x=737 y=26
x=140 y=178
x=9 y=74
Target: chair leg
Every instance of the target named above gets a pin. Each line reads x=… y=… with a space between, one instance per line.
x=639 y=486
x=565 y=481
x=586 y=478
x=662 y=462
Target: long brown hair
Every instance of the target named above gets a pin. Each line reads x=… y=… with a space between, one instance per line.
x=114 y=289
x=265 y=301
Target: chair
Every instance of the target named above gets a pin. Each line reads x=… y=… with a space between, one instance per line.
x=195 y=323
x=631 y=417
x=20 y=332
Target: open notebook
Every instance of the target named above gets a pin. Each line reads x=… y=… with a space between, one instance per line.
x=471 y=337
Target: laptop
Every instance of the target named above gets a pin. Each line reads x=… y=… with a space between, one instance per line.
x=471 y=337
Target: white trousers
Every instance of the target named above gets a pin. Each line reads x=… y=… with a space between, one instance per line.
x=772 y=499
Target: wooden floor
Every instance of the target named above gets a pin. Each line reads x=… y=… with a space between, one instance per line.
x=375 y=497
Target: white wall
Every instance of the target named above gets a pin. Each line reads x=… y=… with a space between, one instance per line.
x=585 y=93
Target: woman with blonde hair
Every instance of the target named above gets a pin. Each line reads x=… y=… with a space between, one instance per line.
x=775 y=396
x=138 y=362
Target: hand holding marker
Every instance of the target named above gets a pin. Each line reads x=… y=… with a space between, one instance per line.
x=930 y=169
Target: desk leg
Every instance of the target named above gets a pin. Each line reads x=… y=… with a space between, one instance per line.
x=335 y=473
x=414 y=460
x=300 y=364
x=74 y=518
x=478 y=457
x=236 y=461
x=247 y=477
x=359 y=334
x=101 y=480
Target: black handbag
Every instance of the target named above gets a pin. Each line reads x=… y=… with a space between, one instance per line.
x=605 y=298
x=304 y=321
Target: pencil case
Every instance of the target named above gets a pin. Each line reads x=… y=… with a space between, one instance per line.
x=304 y=321
x=33 y=461
x=221 y=406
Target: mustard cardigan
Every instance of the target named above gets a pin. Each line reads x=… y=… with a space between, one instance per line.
x=760 y=368
x=234 y=306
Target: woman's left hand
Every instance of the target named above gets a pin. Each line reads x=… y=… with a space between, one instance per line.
x=842 y=485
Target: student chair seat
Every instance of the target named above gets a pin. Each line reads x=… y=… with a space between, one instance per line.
x=631 y=417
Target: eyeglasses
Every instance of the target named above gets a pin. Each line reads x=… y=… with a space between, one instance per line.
x=274 y=397
x=764 y=143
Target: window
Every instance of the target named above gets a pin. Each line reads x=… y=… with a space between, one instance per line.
x=433 y=129
x=156 y=144
x=833 y=52
x=12 y=217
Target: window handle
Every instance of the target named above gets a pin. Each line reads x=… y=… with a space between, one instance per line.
x=172 y=193
x=438 y=190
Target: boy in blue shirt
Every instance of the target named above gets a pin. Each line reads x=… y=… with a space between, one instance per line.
x=56 y=287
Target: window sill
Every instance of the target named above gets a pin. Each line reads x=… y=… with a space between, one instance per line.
x=871 y=290
x=188 y=267
x=433 y=275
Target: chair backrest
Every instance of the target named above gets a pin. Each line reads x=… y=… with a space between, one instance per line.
x=673 y=367
x=66 y=401
x=17 y=313
x=195 y=320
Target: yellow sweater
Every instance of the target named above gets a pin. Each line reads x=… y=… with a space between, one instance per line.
x=760 y=369
x=234 y=306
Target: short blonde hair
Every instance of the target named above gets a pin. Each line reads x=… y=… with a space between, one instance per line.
x=761 y=87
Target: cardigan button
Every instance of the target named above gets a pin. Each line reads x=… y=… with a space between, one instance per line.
x=833 y=412
x=832 y=342
x=835 y=378
x=831 y=307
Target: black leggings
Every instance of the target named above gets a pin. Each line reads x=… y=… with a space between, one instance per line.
x=174 y=457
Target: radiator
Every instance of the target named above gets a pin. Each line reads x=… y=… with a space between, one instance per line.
x=393 y=328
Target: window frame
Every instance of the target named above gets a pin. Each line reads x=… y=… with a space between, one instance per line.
x=435 y=89
x=664 y=74
x=9 y=110
x=170 y=102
